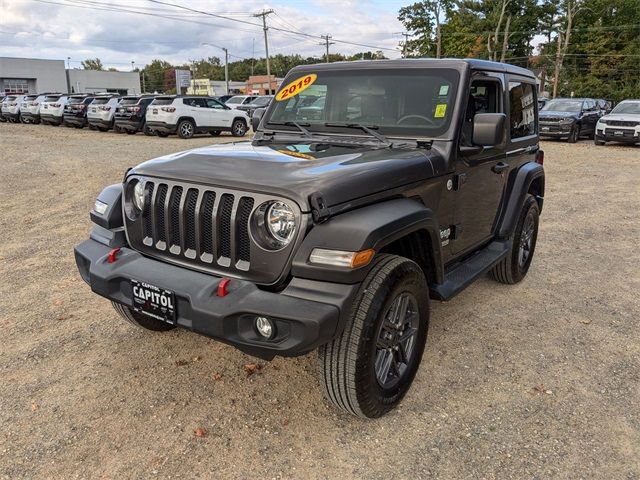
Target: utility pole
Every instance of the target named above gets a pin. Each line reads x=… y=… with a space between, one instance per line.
x=264 y=14
x=144 y=87
x=226 y=70
x=326 y=43
x=404 y=45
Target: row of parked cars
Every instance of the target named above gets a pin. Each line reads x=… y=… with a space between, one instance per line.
x=573 y=118
x=161 y=115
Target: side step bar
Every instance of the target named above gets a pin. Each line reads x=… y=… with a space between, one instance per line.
x=462 y=274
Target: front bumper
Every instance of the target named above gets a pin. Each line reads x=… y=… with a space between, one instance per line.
x=556 y=130
x=627 y=135
x=307 y=313
x=162 y=127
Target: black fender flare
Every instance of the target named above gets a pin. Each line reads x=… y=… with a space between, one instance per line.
x=112 y=217
x=516 y=195
x=373 y=226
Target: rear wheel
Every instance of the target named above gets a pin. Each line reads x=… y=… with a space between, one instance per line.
x=515 y=265
x=186 y=129
x=369 y=367
x=238 y=128
x=140 y=320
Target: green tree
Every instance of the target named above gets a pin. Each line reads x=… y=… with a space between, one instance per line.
x=92 y=64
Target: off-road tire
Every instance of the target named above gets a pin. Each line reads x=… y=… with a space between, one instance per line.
x=574 y=134
x=510 y=270
x=239 y=128
x=139 y=320
x=186 y=129
x=347 y=363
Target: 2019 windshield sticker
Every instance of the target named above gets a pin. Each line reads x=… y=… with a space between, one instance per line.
x=441 y=110
x=294 y=88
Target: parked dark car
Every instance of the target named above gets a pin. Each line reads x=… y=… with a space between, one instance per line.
x=75 y=111
x=258 y=102
x=131 y=113
x=569 y=118
x=333 y=234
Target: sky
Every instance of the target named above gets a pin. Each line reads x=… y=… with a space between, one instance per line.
x=81 y=29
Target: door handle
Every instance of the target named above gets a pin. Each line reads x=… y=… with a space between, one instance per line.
x=499 y=167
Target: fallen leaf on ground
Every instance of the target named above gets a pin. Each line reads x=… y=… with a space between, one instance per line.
x=197 y=359
x=200 y=432
x=252 y=368
x=57 y=302
x=182 y=363
x=35 y=407
x=542 y=389
x=285 y=422
x=586 y=322
x=217 y=376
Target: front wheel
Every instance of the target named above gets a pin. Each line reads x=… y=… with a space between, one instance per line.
x=515 y=265
x=574 y=135
x=186 y=129
x=139 y=320
x=369 y=367
x=238 y=128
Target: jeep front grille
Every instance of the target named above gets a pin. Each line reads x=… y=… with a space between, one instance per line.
x=198 y=224
x=207 y=228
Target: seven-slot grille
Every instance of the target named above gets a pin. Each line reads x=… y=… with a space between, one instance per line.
x=201 y=224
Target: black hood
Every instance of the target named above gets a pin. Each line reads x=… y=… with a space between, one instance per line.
x=553 y=114
x=296 y=170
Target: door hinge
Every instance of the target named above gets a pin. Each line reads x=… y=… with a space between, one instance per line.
x=459 y=180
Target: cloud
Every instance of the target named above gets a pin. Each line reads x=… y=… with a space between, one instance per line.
x=56 y=29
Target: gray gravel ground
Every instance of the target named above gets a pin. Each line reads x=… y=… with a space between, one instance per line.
x=538 y=380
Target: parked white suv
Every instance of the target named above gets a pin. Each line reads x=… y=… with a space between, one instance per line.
x=11 y=107
x=30 y=109
x=235 y=102
x=621 y=125
x=101 y=112
x=187 y=115
x=52 y=108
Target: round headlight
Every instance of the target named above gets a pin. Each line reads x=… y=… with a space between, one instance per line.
x=281 y=222
x=138 y=195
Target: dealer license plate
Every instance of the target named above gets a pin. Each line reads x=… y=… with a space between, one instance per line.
x=155 y=111
x=154 y=301
x=545 y=129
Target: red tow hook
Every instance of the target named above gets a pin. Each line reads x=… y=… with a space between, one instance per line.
x=222 y=287
x=113 y=255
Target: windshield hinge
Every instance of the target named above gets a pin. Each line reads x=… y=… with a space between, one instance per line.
x=424 y=143
x=319 y=212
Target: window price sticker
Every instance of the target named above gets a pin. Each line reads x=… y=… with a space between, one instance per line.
x=294 y=88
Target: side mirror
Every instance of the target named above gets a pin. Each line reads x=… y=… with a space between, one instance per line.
x=257 y=116
x=488 y=129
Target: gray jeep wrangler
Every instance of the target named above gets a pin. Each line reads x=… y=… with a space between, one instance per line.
x=368 y=188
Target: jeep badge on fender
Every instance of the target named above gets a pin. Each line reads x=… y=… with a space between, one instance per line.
x=367 y=189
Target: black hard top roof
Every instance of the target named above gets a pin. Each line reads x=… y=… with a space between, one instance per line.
x=457 y=63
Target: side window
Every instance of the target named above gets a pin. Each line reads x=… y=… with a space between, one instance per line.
x=484 y=97
x=522 y=109
x=211 y=103
x=194 y=102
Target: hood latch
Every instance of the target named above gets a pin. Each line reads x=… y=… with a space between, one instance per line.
x=319 y=210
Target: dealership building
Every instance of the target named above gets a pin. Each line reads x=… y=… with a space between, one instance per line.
x=32 y=75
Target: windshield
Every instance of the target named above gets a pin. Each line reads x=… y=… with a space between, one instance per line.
x=236 y=99
x=261 y=101
x=563 y=106
x=632 y=108
x=409 y=102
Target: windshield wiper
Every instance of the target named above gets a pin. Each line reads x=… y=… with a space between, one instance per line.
x=295 y=124
x=364 y=128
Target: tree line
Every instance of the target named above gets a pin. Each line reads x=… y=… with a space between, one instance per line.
x=586 y=48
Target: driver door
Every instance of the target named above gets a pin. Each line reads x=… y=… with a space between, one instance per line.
x=480 y=177
x=218 y=115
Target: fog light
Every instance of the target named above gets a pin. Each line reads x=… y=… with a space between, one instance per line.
x=265 y=327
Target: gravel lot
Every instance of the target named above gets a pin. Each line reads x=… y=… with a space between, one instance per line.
x=538 y=380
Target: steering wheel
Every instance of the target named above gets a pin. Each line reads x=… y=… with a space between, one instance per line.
x=406 y=117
